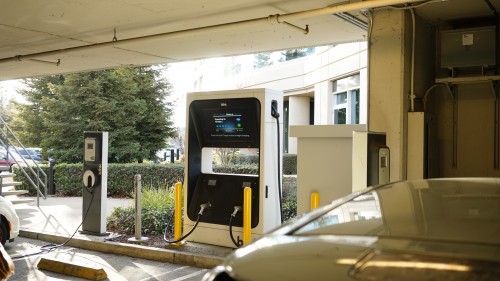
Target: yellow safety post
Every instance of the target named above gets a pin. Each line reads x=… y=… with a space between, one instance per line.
x=314 y=200
x=178 y=212
x=247 y=215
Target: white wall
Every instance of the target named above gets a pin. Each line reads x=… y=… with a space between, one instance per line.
x=314 y=74
x=299 y=108
x=298 y=79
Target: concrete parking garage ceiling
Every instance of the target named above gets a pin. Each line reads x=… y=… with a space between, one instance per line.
x=60 y=36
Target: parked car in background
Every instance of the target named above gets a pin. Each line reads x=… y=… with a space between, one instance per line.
x=9 y=221
x=29 y=153
x=6 y=163
x=438 y=229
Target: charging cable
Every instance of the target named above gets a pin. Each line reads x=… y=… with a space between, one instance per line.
x=233 y=215
x=203 y=207
x=275 y=114
x=51 y=247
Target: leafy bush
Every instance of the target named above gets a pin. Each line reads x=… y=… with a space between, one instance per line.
x=245 y=169
x=25 y=182
x=289 y=194
x=289 y=164
x=68 y=178
x=157 y=198
x=251 y=166
x=157 y=208
x=246 y=159
x=158 y=205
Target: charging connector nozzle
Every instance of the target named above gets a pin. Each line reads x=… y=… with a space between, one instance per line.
x=236 y=210
x=203 y=207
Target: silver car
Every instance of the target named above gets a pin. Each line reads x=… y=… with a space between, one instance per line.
x=440 y=229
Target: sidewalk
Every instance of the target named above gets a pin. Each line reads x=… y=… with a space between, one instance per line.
x=57 y=219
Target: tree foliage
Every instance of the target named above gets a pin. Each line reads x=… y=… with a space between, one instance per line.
x=262 y=60
x=129 y=103
x=296 y=53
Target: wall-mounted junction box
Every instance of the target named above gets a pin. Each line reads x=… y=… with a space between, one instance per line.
x=468 y=47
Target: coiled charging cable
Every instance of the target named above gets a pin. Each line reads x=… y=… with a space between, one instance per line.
x=200 y=214
x=233 y=215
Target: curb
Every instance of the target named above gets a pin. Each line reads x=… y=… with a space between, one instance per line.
x=131 y=250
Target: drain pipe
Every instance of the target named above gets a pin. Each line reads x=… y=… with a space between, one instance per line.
x=285 y=18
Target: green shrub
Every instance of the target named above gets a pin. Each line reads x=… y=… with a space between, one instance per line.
x=245 y=169
x=246 y=159
x=289 y=198
x=68 y=178
x=158 y=205
x=25 y=183
x=289 y=164
x=157 y=209
x=121 y=176
x=251 y=167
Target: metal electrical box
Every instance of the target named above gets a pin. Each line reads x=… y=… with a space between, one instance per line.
x=468 y=47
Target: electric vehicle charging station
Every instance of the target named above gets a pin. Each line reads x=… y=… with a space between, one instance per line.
x=95 y=183
x=370 y=160
x=232 y=119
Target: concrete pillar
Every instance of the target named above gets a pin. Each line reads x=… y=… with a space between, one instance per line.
x=389 y=55
x=299 y=107
x=323 y=103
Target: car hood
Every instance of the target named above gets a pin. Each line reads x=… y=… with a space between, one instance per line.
x=287 y=257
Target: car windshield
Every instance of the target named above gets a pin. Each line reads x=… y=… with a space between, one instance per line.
x=465 y=210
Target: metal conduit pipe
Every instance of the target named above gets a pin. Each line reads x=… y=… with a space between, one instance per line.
x=285 y=18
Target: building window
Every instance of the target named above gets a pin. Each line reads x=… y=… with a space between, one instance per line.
x=346 y=100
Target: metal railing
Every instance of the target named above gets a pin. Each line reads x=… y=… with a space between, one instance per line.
x=29 y=166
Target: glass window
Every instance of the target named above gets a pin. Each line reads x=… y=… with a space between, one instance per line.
x=346 y=100
x=341 y=98
x=340 y=116
x=346 y=83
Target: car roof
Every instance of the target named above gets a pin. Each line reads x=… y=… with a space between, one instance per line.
x=463 y=210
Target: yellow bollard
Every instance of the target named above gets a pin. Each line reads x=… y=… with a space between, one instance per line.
x=247 y=215
x=178 y=212
x=314 y=200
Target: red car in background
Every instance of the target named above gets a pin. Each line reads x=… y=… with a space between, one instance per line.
x=6 y=163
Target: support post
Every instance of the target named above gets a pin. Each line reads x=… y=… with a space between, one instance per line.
x=247 y=215
x=314 y=200
x=178 y=213
x=138 y=207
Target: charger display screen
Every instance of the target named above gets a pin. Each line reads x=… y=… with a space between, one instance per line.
x=228 y=122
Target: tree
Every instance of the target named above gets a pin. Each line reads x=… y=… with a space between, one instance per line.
x=297 y=53
x=225 y=155
x=29 y=126
x=262 y=60
x=129 y=103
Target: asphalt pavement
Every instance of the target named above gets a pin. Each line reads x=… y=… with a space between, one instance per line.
x=116 y=267
x=57 y=218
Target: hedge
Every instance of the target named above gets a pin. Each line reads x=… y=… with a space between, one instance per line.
x=247 y=164
x=68 y=177
x=290 y=164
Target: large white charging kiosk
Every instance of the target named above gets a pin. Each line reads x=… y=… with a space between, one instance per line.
x=231 y=119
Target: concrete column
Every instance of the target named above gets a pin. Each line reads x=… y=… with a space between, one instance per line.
x=299 y=107
x=323 y=103
x=389 y=54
